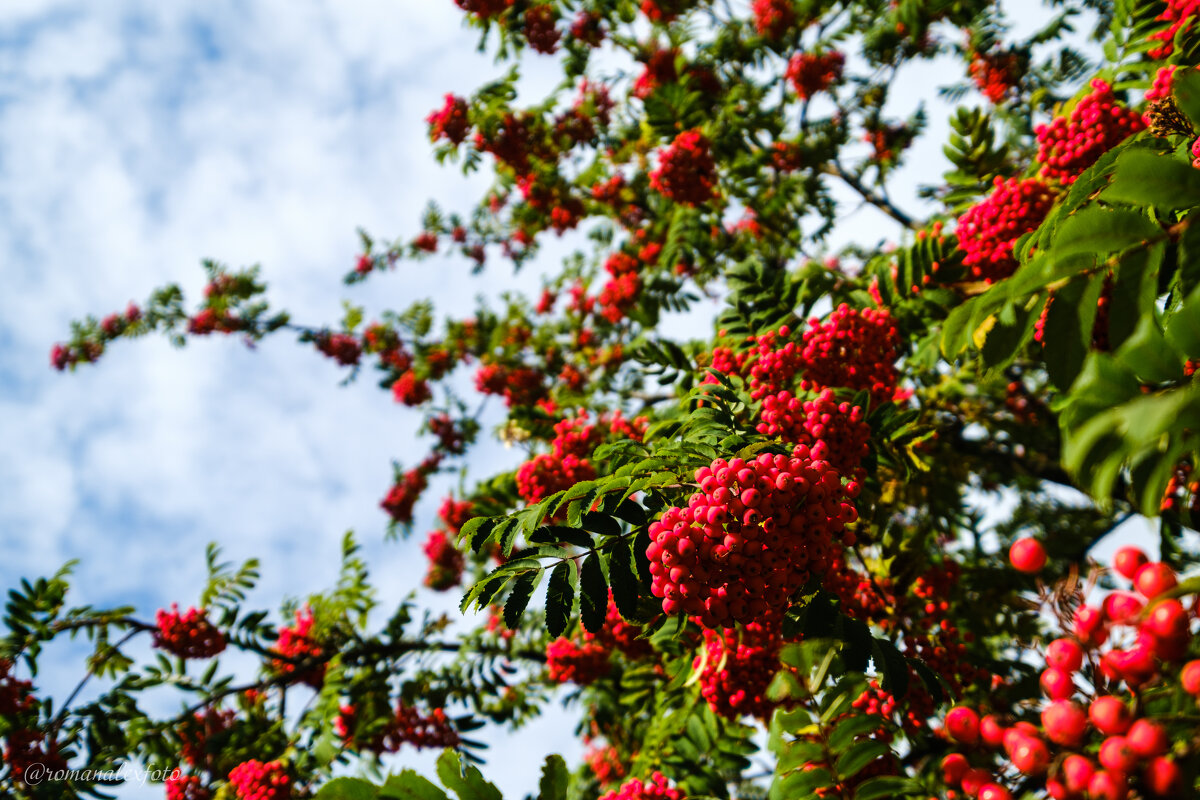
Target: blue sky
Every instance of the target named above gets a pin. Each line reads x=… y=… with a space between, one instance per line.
x=137 y=138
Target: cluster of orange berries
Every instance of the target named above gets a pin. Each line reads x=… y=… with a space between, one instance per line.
x=187 y=635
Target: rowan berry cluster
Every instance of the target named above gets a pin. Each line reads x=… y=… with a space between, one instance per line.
x=15 y=694
x=810 y=73
x=26 y=749
x=540 y=28
x=484 y=9
x=1098 y=747
x=852 y=349
x=456 y=513
x=581 y=664
x=445 y=562
x=736 y=668
x=586 y=28
x=1164 y=79
x=256 y=780
x=1178 y=14
x=663 y=11
x=509 y=142
x=988 y=230
x=686 y=172
x=1071 y=144
x=295 y=644
x=754 y=534
x=605 y=763
x=406 y=726
x=622 y=291
x=403 y=495
x=1182 y=492
x=521 y=386
x=186 y=787
x=655 y=788
x=996 y=74
x=341 y=347
x=411 y=390
x=196 y=732
x=839 y=428
x=187 y=635
x=773 y=18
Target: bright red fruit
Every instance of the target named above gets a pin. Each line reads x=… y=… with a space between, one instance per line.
x=1077 y=772
x=1064 y=654
x=962 y=724
x=1110 y=715
x=1117 y=755
x=1189 y=676
x=1121 y=607
x=1154 y=579
x=954 y=767
x=1147 y=739
x=1065 y=723
x=992 y=791
x=1057 y=684
x=1089 y=626
x=1128 y=560
x=1163 y=778
x=991 y=731
x=1106 y=785
x=1167 y=620
x=1027 y=555
x=1030 y=755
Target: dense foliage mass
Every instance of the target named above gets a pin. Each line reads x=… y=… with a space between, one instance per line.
x=775 y=528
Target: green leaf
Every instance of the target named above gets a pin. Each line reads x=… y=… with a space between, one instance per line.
x=560 y=597
x=859 y=756
x=622 y=580
x=1148 y=353
x=888 y=786
x=1143 y=178
x=1185 y=87
x=408 y=785
x=593 y=594
x=464 y=779
x=555 y=778
x=1102 y=230
x=518 y=598
x=1067 y=335
x=348 y=789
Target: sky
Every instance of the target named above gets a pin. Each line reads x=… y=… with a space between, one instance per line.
x=137 y=138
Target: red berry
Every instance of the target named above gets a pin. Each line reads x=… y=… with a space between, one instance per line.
x=974 y=780
x=962 y=724
x=1154 y=579
x=1163 y=778
x=1064 y=654
x=1117 y=755
x=1147 y=739
x=1027 y=555
x=1089 y=626
x=1057 y=684
x=1065 y=723
x=1167 y=620
x=992 y=791
x=1189 y=677
x=991 y=731
x=1121 y=607
x=1128 y=560
x=1108 y=785
x=1030 y=755
x=1110 y=715
x=954 y=767
x=1077 y=772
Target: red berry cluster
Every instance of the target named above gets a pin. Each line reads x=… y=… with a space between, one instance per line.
x=773 y=18
x=210 y=320
x=587 y=29
x=445 y=562
x=605 y=763
x=810 y=73
x=194 y=734
x=659 y=70
x=754 y=534
x=540 y=28
x=548 y=473
x=1073 y=735
x=768 y=368
x=622 y=291
x=521 y=386
x=665 y=10
x=852 y=349
x=411 y=390
x=988 y=229
x=1179 y=14
x=186 y=787
x=254 y=780
x=654 y=789
x=341 y=347
x=737 y=667
x=686 y=172
x=25 y=749
x=996 y=74
x=509 y=142
x=1071 y=144
x=407 y=726
x=839 y=429
x=187 y=635
x=15 y=694
x=403 y=495
x=581 y=664
x=1164 y=80
x=484 y=9
x=296 y=643
x=456 y=513
x=1182 y=492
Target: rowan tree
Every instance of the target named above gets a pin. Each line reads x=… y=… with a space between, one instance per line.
x=777 y=527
